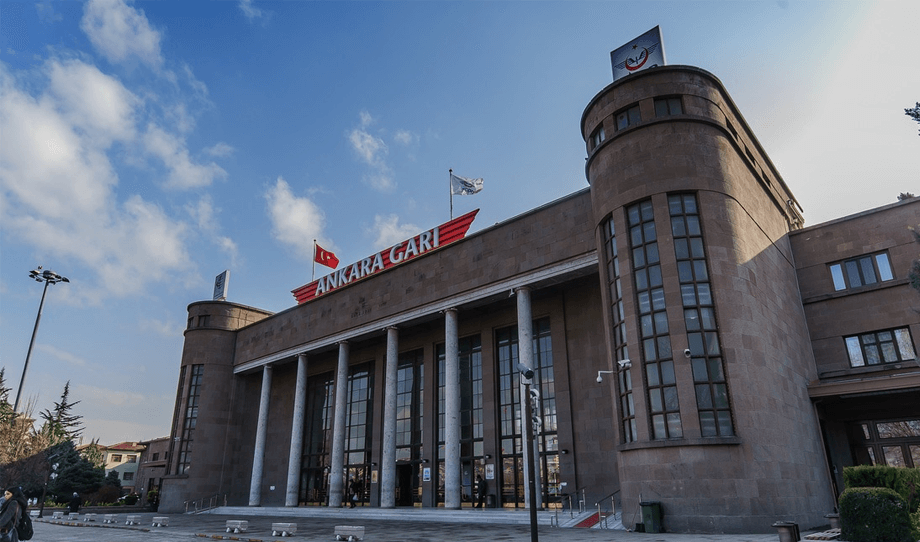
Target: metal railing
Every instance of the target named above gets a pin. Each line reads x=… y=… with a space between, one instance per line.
x=205 y=503
x=602 y=518
x=567 y=498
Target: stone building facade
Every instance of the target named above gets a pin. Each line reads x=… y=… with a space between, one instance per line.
x=687 y=345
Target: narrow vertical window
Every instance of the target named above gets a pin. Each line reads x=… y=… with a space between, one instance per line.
x=712 y=400
x=190 y=419
x=661 y=386
x=621 y=351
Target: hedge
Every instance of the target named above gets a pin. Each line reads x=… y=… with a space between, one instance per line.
x=904 y=481
x=874 y=514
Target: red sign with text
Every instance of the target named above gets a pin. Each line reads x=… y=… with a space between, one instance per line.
x=423 y=243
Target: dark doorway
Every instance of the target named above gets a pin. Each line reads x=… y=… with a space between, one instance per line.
x=405 y=488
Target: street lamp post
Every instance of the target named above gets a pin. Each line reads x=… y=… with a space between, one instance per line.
x=530 y=458
x=48 y=277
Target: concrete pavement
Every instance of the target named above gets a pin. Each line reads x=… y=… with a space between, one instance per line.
x=318 y=524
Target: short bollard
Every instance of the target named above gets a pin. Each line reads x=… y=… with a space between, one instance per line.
x=57 y=515
x=237 y=526
x=834 y=520
x=108 y=518
x=89 y=517
x=160 y=521
x=284 y=529
x=788 y=531
x=133 y=520
x=351 y=533
x=75 y=516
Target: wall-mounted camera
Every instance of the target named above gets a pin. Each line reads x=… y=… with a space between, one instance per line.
x=687 y=353
x=624 y=364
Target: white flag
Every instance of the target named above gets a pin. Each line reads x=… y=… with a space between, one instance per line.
x=461 y=186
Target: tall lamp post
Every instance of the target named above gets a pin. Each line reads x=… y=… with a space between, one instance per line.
x=48 y=277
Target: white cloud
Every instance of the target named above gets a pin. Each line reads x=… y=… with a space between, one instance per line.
x=389 y=231
x=205 y=216
x=296 y=221
x=61 y=355
x=96 y=103
x=120 y=32
x=220 y=150
x=166 y=328
x=250 y=11
x=183 y=172
x=405 y=137
x=372 y=150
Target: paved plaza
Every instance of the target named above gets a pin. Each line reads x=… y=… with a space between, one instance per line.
x=311 y=528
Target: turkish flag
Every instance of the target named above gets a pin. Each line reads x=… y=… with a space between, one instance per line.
x=325 y=257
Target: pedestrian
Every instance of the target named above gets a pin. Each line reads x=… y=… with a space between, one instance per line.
x=353 y=493
x=481 y=488
x=13 y=508
x=75 y=503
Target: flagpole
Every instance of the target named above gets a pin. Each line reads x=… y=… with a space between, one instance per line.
x=313 y=273
x=450 y=190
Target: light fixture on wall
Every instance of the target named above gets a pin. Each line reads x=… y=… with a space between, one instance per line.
x=424 y=461
x=488 y=456
x=563 y=452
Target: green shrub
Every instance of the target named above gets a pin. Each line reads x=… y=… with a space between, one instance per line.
x=874 y=514
x=131 y=499
x=906 y=482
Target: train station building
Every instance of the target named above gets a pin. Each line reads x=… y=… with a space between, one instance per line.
x=692 y=343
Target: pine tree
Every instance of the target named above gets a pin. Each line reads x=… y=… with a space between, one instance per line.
x=60 y=425
x=913 y=112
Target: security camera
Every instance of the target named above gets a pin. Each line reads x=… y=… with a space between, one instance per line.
x=534 y=394
x=600 y=379
x=526 y=372
x=687 y=353
x=624 y=364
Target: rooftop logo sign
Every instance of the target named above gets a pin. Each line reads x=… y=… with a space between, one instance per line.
x=646 y=51
x=423 y=243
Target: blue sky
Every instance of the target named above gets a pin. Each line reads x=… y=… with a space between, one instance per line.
x=147 y=146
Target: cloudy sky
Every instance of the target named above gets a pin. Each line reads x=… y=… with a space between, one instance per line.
x=147 y=146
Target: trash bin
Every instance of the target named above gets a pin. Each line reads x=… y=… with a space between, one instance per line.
x=651 y=516
x=788 y=531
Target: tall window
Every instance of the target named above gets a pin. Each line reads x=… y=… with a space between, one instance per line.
x=190 y=419
x=664 y=407
x=512 y=482
x=409 y=405
x=318 y=423
x=877 y=347
x=359 y=426
x=177 y=418
x=471 y=414
x=862 y=271
x=709 y=380
x=624 y=376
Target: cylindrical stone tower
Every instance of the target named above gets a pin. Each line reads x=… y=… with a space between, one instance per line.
x=701 y=297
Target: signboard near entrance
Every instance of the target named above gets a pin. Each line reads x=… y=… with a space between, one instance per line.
x=423 y=243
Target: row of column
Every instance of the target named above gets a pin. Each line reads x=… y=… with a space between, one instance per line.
x=452 y=467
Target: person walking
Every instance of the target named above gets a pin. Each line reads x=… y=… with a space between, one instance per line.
x=12 y=509
x=75 y=503
x=481 y=488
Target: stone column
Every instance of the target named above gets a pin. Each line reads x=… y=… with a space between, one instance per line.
x=452 y=489
x=388 y=458
x=258 y=456
x=296 y=455
x=337 y=461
